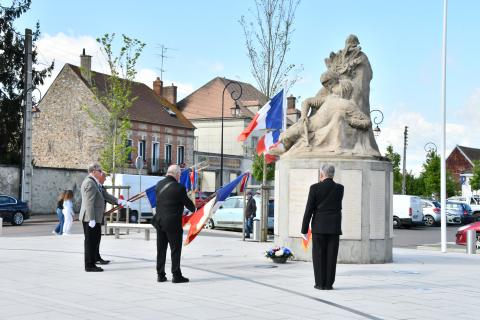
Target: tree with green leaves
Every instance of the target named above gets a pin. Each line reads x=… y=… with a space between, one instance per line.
x=394 y=158
x=12 y=88
x=431 y=176
x=475 y=180
x=268 y=39
x=117 y=98
x=257 y=168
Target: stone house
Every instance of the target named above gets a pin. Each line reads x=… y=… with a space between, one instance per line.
x=64 y=135
x=203 y=108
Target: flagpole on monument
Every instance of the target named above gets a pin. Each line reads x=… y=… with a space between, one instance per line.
x=264 y=216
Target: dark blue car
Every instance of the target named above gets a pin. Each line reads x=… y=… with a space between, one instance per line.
x=13 y=210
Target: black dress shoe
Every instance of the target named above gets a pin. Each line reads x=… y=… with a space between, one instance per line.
x=93 y=269
x=329 y=288
x=180 y=279
x=101 y=261
x=319 y=287
x=161 y=279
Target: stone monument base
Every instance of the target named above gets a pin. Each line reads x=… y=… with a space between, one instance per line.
x=367 y=220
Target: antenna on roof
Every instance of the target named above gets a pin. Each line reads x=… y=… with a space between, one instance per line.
x=163 y=57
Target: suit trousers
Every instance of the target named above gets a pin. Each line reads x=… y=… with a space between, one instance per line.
x=175 y=241
x=324 y=256
x=91 y=243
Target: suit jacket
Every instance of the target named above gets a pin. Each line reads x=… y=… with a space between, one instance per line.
x=251 y=209
x=170 y=204
x=324 y=208
x=93 y=201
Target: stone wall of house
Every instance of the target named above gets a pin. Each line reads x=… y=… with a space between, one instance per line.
x=64 y=136
x=9 y=180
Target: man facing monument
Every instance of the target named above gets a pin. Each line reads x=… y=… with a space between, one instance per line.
x=324 y=210
x=171 y=199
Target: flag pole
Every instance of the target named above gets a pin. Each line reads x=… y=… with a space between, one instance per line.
x=264 y=218
x=443 y=173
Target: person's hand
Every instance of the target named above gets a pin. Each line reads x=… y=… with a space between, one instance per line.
x=305 y=237
x=124 y=203
x=92 y=223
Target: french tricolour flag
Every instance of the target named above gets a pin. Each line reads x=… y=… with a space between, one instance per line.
x=271 y=116
x=268 y=141
x=198 y=219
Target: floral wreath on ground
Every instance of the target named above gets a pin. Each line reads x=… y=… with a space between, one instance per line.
x=279 y=254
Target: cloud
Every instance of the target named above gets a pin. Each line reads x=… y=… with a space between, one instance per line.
x=422 y=130
x=63 y=48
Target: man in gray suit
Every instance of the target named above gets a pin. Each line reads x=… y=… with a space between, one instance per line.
x=91 y=213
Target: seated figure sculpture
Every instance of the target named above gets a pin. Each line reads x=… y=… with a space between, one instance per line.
x=336 y=121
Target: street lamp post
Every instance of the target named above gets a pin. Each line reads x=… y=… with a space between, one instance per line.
x=376 y=130
x=235 y=95
x=430 y=147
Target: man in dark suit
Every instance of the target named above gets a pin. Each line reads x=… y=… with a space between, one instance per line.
x=110 y=199
x=250 y=212
x=91 y=214
x=171 y=199
x=324 y=209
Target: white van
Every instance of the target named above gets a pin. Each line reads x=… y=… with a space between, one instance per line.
x=407 y=211
x=133 y=181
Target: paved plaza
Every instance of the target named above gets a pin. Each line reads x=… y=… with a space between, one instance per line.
x=43 y=278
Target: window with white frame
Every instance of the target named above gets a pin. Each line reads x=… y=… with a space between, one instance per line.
x=141 y=149
x=180 y=154
x=155 y=153
x=129 y=145
x=168 y=153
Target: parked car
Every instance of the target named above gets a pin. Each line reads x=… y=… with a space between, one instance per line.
x=461 y=236
x=407 y=211
x=230 y=213
x=13 y=210
x=432 y=214
x=473 y=201
x=461 y=210
x=200 y=199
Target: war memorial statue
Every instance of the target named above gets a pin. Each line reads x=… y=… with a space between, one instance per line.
x=335 y=127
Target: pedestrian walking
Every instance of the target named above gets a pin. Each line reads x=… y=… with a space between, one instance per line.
x=171 y=199
x=250 y=213
x=68 y=213
x=59 y=211
x=324 y=210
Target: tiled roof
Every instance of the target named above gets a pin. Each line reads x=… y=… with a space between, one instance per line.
x=148 y=107
x=471 y=153
x=206 y=102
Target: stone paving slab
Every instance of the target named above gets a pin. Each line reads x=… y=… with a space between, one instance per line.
x=43 y=278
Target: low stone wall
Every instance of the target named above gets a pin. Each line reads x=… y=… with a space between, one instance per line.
x=49 y=182
x=9 y=180
x=46 y=185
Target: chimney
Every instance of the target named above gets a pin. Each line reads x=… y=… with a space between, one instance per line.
x=291 y=102
x=86 y=66
x=170 y=93
x=158 y=86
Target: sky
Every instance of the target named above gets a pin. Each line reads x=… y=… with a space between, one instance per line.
x=402 y=39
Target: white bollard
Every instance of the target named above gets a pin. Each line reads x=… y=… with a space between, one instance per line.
x=471 y=241
x=1 y=225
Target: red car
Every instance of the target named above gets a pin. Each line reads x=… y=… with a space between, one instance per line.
x=461 y=237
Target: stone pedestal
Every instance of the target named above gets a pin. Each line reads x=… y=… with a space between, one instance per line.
x=367 y=206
